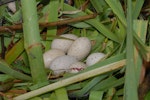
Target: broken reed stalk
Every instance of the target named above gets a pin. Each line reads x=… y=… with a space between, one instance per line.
x=48 y=24
x=32 y=41
x=73 y=79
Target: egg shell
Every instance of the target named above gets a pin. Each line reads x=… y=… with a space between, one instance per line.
x=63 y=44
x=76 y=67
x=50 y=55
x=61 y=64
x=94 y=58
x=80 y=48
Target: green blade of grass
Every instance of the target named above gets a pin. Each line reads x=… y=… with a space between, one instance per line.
x=13 y=53
x=80 y=25
x=5 y=78
x=88 y=86
x=53 y=96
x=76 y=86
x=130 y=74
x=36 y=98
x=5 y=68
x=137 y=8
x=110 y=93
x=61 y=94
x=117 y=9
x=140 y=28
x=105 y=31
x=108 y=83
x=143 y=49
x=97 y=5
x=96 y=95
x=52 y=17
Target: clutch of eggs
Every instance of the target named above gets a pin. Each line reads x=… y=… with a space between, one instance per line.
x=67 y=52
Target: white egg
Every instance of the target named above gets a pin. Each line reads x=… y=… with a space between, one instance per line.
x=64 y=43
x=61 y=64
x=76 y=67
x=12 y=6
x=80 y=48
x=50 y=55
x=94 y=58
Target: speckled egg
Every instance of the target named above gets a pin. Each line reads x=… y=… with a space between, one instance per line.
x=61 y=64
x=64 y=42
x=80 y=48
x=94 y=58
x=50 y=55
